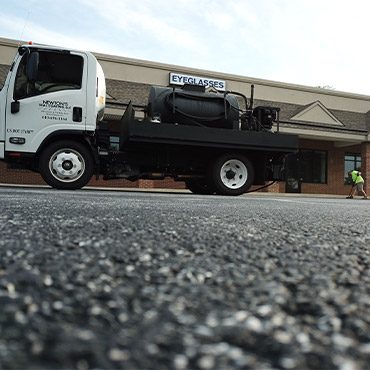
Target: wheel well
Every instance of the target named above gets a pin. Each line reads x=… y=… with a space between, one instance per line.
x=78 y=137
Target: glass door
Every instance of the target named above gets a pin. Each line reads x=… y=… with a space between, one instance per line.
x=293 y=174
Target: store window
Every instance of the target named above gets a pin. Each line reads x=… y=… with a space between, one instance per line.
x=352 y=161
x=313 y=166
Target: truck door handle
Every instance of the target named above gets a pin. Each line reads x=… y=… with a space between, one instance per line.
x=77 y=114
x=14 y=107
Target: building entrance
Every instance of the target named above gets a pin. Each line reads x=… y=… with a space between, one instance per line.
x=293 y=178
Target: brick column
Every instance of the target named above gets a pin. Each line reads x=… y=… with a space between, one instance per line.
x=146 y=184
x=365 y=165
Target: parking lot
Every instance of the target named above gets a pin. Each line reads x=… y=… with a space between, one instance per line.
x=115 y=279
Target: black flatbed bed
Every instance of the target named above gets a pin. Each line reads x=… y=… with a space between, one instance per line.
x=135 y=131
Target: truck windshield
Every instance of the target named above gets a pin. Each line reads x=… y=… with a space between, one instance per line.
x=56 y=72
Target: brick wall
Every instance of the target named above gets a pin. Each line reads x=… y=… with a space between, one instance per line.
x=25 y=177
x=13 y=176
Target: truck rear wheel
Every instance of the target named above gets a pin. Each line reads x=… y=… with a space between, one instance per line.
x=231 y=174
x=66 y=164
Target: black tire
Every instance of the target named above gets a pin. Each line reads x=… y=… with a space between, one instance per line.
x=199 y=187
x=231 y=174
x=66 y=164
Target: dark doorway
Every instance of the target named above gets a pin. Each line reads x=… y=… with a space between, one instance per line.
x=293 y=174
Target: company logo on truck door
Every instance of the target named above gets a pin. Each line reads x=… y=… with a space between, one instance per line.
x=55 y=110
x=179 y=79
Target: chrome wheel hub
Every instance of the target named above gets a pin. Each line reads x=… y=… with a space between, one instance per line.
x=67 y=165
x=234 y=174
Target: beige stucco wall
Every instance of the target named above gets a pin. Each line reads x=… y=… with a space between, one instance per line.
x=134 y=70
x=8 y=49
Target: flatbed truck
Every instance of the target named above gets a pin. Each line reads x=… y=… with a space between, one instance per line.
x=51 y=121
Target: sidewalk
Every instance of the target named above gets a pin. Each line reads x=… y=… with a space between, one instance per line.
x=185 y=191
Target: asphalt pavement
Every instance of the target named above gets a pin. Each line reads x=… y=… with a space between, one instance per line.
x=140 y=280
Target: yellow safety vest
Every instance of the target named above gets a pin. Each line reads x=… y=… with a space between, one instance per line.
x=356 y=178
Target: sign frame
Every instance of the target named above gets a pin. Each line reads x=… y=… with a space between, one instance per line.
x=183 y=79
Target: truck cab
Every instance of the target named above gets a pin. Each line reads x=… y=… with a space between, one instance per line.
x=48 y=92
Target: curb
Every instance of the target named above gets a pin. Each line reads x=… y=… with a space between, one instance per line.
x=185 y=191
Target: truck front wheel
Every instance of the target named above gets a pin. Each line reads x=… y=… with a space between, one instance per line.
x=66 y=164
x=231 y=174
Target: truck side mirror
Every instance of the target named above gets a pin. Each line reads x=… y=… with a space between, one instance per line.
x=33 y=66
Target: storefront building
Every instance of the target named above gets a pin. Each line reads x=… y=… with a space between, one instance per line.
x=333 y=126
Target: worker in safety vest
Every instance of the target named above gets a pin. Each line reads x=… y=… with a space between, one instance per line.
x=358 y=184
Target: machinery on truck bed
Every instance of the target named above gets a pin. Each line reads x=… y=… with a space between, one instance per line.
x=51 y=121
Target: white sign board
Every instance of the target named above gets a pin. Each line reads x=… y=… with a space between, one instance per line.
x=180 y=79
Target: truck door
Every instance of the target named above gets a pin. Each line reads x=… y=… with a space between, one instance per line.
x=47 y=93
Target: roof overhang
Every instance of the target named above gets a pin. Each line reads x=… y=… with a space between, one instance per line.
x=340 y=139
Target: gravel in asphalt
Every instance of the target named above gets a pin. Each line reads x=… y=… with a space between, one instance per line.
x=94 y=279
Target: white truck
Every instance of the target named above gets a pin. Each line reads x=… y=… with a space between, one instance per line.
x=51 y=121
